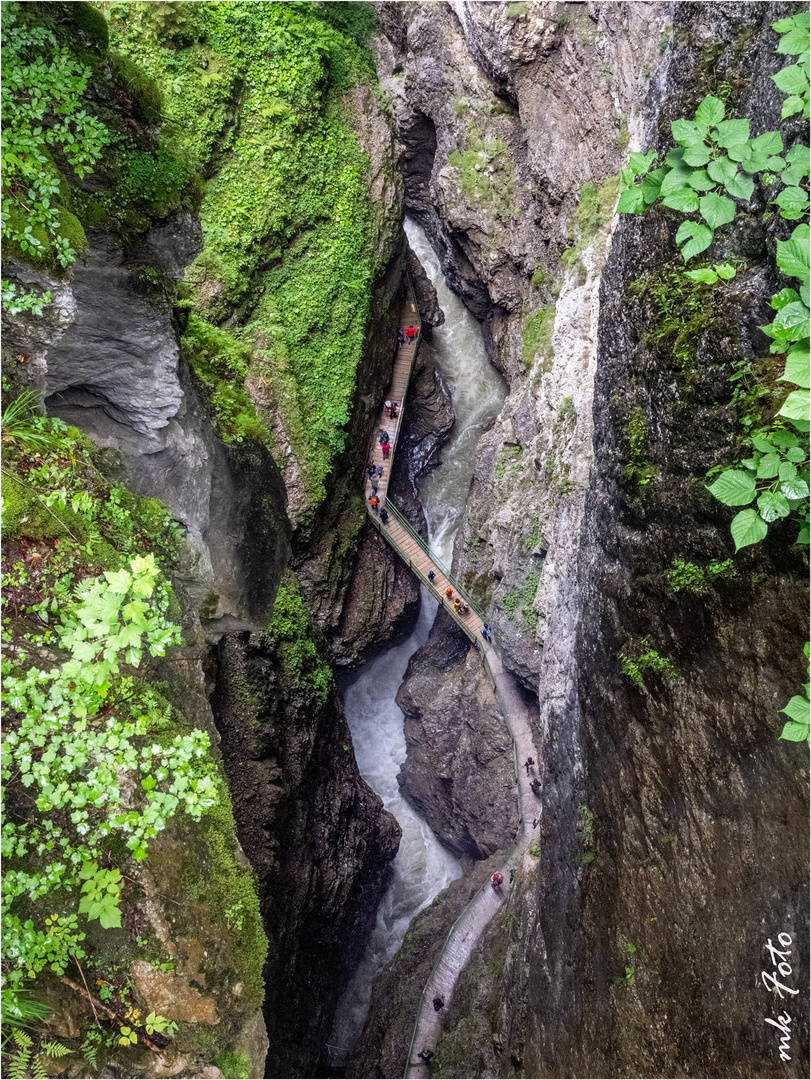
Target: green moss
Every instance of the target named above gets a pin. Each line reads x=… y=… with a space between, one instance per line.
x=475 y=180
x=637 y=468
x=26 y=514
x=688 y=577
x=291 y=635
x=91 y=22
x=537 y=334
x=623 y=137
x=593 y=213
x=644 y=660
x=235 y=1066
x=220 y=361
x=141 y=87
x=514 y=10
x=44 y=257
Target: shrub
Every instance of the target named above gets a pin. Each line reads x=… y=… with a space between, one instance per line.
x=688 y=577
x=649 y=660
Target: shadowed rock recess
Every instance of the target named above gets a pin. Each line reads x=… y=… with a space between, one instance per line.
x=671 y=838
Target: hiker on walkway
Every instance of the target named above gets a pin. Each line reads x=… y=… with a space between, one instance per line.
x=497 y=880
x=536 y=787
x=375 y=482
x=438 y=1004
x=373 y=502
x=487 y=634
x=512 y=874
x=463 y=608
x=384 y=515
x=457 y=604
x=382 y=435
x=371 y=468
x=379 y=470
x=411 y=332
x=388 y=407
x=386 y=447
x=393 y=410
x=535 y=822
x=431 y=575
x=426 y=1055
x=528 y=764
x=449 y=593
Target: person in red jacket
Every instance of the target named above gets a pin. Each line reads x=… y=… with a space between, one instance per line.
x=411 y=332
x=496 y=880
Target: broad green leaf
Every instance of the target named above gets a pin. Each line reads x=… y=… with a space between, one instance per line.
x=631 y=201
x=797 y=369
x=700 y=180
x=754 y=162
x=782 y=26
x=788 y=472
x=685 y=200
x=775 y=164
x=772 y=505
x=770 y=142
x=792 y=198
x=734 y=487
x=796 y=488
x=799 y=154
x=696 y=154
x=798 y=709
x=794 y=43
x=738 y=151
x=784 y=297
x=726 y=271
x=675 y=179
x=795 y=454
x=796 y=405
x=791 y=80
x=803 y=536
x=674 y=156
x=640 y=163
x=791 y=106
x=747 y=528
x=701 y=239
x=740 y=186
x=769 y=466
x=793 y=255
x=762 y=444
x=722 y=170
x=686 y=132
x=651 y=185
x=730 y=132
x=794 y=174
x=110 y=917
x=706 y=275
x=794 y=732
x=716 y=209
x=710 y=111
x=793 y=320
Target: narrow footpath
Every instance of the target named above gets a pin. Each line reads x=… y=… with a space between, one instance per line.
x=414 y=551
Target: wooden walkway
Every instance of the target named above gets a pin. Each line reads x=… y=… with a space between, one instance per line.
x=487 y=901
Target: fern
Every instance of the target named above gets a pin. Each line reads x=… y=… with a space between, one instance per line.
x=18 y=1069
x=55 y=1049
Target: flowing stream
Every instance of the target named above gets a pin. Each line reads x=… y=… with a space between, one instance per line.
x=422 y=867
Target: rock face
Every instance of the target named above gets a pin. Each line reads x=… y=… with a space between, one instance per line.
x=666 y=857
x=460 y=769
x=314 y=834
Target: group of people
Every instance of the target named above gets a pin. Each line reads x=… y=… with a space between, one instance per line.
x=385 y=443
x=487 y=634
x=408 y=335
x=392 y=409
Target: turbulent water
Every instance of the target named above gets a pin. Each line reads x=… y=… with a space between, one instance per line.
x=422 y=868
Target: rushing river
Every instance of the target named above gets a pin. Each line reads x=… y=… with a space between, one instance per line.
x=422 y=868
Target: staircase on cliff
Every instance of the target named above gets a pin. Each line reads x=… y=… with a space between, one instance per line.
x=421 y=561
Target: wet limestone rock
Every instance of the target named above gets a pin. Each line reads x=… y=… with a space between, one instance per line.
x=460 y=768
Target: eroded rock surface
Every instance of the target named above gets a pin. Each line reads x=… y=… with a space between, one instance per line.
x=460 y=769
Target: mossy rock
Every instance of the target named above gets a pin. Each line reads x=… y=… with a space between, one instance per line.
x=26 y=515
x=44 y=257
x=91 y=23
x=143 y=90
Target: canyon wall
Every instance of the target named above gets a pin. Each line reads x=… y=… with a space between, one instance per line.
x=668 y=854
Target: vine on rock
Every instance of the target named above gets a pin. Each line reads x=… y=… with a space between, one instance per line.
x=712 y=166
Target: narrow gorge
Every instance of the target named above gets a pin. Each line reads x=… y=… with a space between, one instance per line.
x=282 y=704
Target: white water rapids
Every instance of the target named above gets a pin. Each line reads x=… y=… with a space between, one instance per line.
x=422 y=868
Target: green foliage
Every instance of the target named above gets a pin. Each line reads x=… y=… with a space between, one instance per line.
x=537 y=334
x=287 y=219
x=535 y=851
x=25 y=1061
x=593 y=212
x=589 y=840
x=523 y=601
x=22 y=424
x=638 y=469
x=647 y=660
x=233 y=1065
x=42 y=113
x=221 y=363
x=513 y=11
x=290 y=632
x=567 y=408
x=81 y=744
x=485 y=174
x=798 y=728
x=688 y=577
